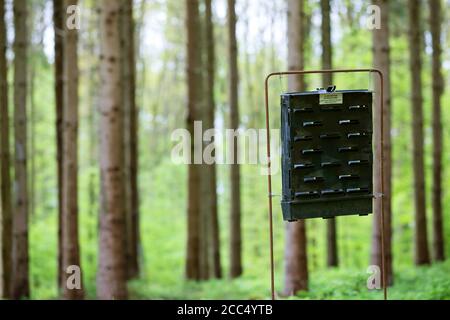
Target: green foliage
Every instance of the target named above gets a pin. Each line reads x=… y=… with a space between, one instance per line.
x=411 y=283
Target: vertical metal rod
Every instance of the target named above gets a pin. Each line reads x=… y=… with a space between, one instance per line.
x=269 y=178
x=269 y=165
x=382 y=218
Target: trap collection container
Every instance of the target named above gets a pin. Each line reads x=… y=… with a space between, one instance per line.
x=327 y=154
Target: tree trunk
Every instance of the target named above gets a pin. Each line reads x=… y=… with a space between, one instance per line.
x=134 y=156
x=422 y=255
x=20 y=285
x=130 y=137
x=235 y=183
x=327 y=58
x=249 y=76
x=212 y=175
x=71 y=248
x=438 y=87
x=194 y=77
x=6 y=210
x=58 y=25
x=204 y=169
x=296 y=259
x=111 y=276
x=381 y=60
x=327 y=50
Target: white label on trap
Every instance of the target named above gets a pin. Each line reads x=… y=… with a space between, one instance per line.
x=331 y=98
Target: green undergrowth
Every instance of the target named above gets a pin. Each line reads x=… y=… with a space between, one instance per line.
x=416 y=283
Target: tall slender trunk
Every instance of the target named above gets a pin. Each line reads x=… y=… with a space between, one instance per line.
x=212 y=181
x=130 y=137
x=248 y=75
x=438 y=87
x=422 y=254
x=194 y=77
x=58 y=25
x=125 y=142
x=235 y=183
x=296 y=258
x=6 y=211
x=71 y=247
x=134 y=154
x=381 y=60
x=327 y=58
x=111 y=276
x=327 y=49
x=205 y=216
x=20 y=284
x=205 y=224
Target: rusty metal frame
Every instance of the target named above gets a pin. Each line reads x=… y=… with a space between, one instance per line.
x=380 y=145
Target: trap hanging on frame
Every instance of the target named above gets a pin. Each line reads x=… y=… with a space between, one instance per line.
x=327 y=155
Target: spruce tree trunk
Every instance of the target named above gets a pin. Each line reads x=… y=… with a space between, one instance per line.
x=130 y=137
x=381 y=60
x=111 y=276
x=194 y=77
x=415 y=39
x=125 y=143
x=438 y=87
x=235 y=183
x=212 y=175
x=134 y=153
x=6 y=210
x=71 y=247
x=327 y=58
x=58 y=25
x=296 y=259
x=20 y=285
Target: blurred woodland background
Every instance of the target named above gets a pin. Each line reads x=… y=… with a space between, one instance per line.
x=86 y=172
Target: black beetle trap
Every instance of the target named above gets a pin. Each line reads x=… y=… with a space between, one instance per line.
x=327 y=155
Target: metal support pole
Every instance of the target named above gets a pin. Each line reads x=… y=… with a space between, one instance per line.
x=269 y=164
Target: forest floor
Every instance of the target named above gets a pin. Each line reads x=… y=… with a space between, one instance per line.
x=416 y=283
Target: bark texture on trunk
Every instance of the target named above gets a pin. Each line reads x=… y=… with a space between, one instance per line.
x=6 y=210
x=194 y=77
x=204 y=172
x=415 y=39
x=296 y=34
x=235 y=208
x=20 y=284
x=381 y=60
x=327 y=49
x=296 y=259
x=130 y=137
x=58 y=25
x=216 y=269
x=112 y=271
x=438 y=89
x=71 y=247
